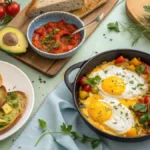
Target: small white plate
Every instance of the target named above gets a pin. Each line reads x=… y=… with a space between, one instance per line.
x=15 y=79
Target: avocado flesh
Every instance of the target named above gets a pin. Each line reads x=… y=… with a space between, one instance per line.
x=22 y=45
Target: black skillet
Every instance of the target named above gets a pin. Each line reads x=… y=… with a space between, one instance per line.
x=86 y=67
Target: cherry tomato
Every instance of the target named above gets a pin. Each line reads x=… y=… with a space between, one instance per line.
x=121 y=59
x=141 y=100
x=3 y=1
x=2 y=12
x=146 y=71
x=149 y=123
x=87 y=88
x=148 y=131
x=13 y=9
x=139 y=114
x=35 y=37
x=146 y=99
x=82 y=81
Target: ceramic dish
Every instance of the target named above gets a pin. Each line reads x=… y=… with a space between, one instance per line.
x=86 y=67
x=15 y=79
x=55 y=16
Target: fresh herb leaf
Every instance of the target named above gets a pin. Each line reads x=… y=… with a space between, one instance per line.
x=136 y=30
x=95 y=143
x=140 y=85
x=49 y=36
x=11 y=96
x=45 y=42
x=133 y=88
x=67 y=130
x=140 y=107
x=49 y=47
x=92 y=81
x=56 y=30
x=56 y=45
x=143 y=119
x=68 y=37
x=75 y=135
x=113 y=26
x=131 y=82
x=82 y=105
x=147 y=8
x=42 y=124
x=140 y=69
x=15 y=105
x=148 y=116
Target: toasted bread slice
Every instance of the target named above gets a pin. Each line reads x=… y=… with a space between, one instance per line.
x=38 y=7
x=3 y=95
x=1 y=81
x=18 y=104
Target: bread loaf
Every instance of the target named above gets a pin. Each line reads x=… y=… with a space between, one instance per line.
x=38 y=7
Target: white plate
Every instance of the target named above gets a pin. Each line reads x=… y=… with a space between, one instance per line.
x=14 y=77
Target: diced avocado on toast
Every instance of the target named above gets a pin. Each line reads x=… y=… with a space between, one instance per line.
x=12 y=110
x=12 y=40
x=3 y=95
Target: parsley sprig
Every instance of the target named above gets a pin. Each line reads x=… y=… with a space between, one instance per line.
x=113 y=26
x=67 y=130
x=92 y=81
x=147 y=8
x=144 y=109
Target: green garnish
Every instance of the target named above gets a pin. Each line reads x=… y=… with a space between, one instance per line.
x=68 y=37
x=82 y=105
x=113 y=26
x=133 y=88
x=15 y=105
x=56 y=45
x=147 y=8
x=140 y=69
x=140 y=85
x=131 y=82
x=92 y=81
x=49 y=47
x=141 y=107
x=56 y=30
x=47 y=38
x=67 y=130
x=11 y=96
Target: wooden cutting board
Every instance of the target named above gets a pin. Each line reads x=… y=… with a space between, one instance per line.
x=52 y=67
x=136 y=11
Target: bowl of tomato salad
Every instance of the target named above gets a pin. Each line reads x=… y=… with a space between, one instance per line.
x=50 y=34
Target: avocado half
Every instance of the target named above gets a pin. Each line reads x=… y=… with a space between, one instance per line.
x=8 y=43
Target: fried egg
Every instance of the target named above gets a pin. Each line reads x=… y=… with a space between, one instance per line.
x=111 y=113
x=119 y=82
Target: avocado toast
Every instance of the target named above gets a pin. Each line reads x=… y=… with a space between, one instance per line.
x=12 y=107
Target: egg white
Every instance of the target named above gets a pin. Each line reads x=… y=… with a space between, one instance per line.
x=122 y=119
x=132 y=90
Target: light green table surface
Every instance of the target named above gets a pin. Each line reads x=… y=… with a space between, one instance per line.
x=96 y=43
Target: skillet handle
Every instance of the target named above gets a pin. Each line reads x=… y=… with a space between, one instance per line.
x=69 y=70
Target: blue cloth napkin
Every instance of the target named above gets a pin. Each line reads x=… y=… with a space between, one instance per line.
x=57 y=108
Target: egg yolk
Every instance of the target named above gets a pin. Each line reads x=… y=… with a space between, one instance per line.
x=113 y=85
x=99 y=111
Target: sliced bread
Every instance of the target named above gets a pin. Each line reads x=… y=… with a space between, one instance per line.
x=38 y=7
x=3 y=95
x=17 y=101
